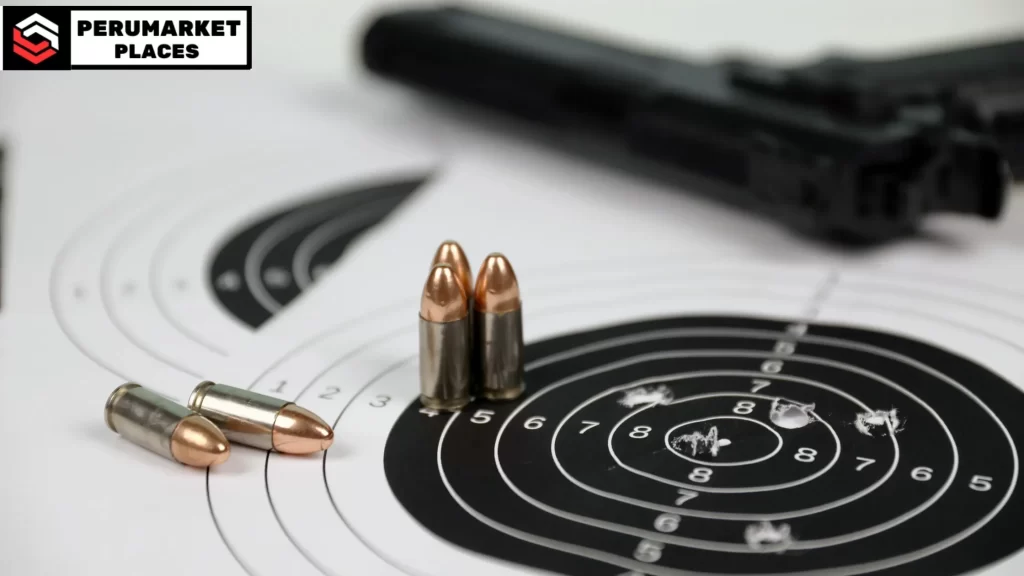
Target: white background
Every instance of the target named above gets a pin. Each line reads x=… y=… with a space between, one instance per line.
x=213 y=50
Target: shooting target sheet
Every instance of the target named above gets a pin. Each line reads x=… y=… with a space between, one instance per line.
x=706 y=393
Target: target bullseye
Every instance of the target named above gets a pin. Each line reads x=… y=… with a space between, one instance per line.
x=707 y=440
x=815 y=451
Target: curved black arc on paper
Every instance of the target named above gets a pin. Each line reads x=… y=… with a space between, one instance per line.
x=370 y=202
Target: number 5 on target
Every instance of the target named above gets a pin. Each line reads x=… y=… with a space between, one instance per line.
x=648 y=551
x=482 y=416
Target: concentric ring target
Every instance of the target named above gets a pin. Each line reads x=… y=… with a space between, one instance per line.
x=725 y=445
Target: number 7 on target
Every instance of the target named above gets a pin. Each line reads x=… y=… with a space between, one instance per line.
x=685 y=496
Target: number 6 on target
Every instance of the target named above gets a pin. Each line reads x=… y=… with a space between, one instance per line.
x=534 y=423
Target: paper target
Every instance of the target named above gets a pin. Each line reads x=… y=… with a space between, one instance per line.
x=705 y=395
x=707 y=427
x=595 y=451
x=263 y=267
x=162 y=290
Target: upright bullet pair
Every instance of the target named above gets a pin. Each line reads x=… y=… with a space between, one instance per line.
x=198 y=435
x=471 y=343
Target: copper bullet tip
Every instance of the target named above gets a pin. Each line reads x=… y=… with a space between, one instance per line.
x=299 y=431
x=497 y=290
x=198 y=442
x=444 y=298
x=450 y=253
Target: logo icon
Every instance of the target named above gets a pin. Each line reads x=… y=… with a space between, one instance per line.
x=36 y=52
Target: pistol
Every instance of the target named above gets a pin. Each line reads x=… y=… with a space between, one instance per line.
x=851 y=149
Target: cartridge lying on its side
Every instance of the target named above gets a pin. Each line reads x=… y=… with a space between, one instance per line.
x=261 y=421
x=159 y=425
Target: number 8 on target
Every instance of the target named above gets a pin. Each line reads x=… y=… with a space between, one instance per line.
x=701 y=475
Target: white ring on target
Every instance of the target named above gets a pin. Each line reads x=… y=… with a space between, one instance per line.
x=668 y=441
x=722 y=515
x=845 y=570
x=701 y=513
x=712 y=353
x=804 y=544
x=684 y=511
x=744 y=490
x=839 y=365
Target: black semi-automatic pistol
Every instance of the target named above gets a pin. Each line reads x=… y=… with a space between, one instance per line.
x=854 y=149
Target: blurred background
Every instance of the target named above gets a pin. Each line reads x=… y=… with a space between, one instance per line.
x=316 y=42
x=315 y=39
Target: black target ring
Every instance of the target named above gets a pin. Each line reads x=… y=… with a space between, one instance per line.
x=970 y=526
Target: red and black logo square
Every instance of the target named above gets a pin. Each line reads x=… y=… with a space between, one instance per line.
x=36 y=38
